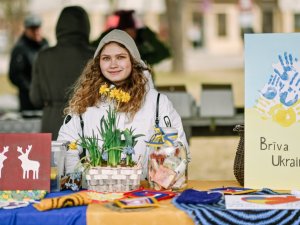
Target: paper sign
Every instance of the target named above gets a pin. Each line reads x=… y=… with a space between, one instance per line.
x=25 y=161
x=244 y=202
x=272 y=111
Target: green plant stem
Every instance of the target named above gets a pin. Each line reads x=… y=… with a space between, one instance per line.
x=128 y=160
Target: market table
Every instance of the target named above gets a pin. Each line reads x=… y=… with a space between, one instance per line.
x=100 y=214
x=167 y=213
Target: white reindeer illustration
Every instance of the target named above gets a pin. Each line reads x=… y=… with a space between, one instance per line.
x=3 y=157
x=28 y=164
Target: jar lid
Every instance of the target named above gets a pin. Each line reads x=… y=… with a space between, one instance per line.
x=55 y=144
x=58 y=143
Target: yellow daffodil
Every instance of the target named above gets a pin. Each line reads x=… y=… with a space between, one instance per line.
x=103 y=90
x=114 y=93
x=5 y=196
x=125 y=97
x=73 y=145
x=119 y=95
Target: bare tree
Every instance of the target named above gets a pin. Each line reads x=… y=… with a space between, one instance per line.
x=12 y=16
x=174 y=14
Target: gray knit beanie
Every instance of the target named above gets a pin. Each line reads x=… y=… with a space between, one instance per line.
x=123 y=38
x=32 y=21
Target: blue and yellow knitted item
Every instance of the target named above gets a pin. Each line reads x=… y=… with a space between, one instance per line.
x=216 y=214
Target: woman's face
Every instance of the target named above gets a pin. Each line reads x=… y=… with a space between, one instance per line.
x=115 y=63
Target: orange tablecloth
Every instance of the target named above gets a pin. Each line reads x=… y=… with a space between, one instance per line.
x=166 y=214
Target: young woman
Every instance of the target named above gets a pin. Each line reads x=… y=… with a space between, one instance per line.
x=117 y=62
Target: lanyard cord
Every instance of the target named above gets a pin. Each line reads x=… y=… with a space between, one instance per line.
x=157 y=111
x=83 y=154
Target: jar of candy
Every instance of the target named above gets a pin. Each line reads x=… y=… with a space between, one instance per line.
x=167 y=161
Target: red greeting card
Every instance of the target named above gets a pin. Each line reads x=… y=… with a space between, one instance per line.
x=25 y=161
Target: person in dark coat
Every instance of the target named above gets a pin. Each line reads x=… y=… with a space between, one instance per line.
x=22 y=57
x=57 y=68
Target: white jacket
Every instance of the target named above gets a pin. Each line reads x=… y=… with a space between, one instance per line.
x=143 y=123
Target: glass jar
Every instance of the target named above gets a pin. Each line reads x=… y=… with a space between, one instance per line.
x=58 y=151
x=167 y=160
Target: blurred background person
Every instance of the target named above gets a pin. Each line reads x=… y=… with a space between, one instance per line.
x=151 y=48
x=57 y=68
x=22 y=58
x=194 y=35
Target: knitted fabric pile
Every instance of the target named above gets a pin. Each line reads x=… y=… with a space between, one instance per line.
x=216 y=213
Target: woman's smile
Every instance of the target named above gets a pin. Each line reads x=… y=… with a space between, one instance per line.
x=114 y=72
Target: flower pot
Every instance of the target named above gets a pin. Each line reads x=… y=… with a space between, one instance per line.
x=113 y=179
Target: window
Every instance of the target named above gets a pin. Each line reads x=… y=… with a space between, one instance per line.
x=297 y=23
x=221 y=19
x=267 y=22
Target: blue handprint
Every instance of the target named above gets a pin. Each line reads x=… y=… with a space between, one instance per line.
x=272 y=87
x=287 y=65
x=290 y=96
x=270 y=93
x=284 y=101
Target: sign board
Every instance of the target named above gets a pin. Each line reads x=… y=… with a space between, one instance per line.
x=25 y=161
x=272 y=111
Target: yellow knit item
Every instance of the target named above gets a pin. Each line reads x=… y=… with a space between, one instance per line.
x=76 y=199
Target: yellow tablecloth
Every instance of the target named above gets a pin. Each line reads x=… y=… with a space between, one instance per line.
x=166 y=214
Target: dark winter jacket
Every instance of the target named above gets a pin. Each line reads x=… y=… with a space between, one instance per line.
x=22 y=57
x=57 y=68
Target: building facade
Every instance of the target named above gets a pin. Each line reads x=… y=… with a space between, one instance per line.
x=217 y=26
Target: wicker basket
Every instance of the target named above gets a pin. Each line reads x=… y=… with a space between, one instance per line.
x=113 y=179
x=238 y=167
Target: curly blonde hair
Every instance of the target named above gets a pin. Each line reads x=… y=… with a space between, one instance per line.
x=86 y=89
